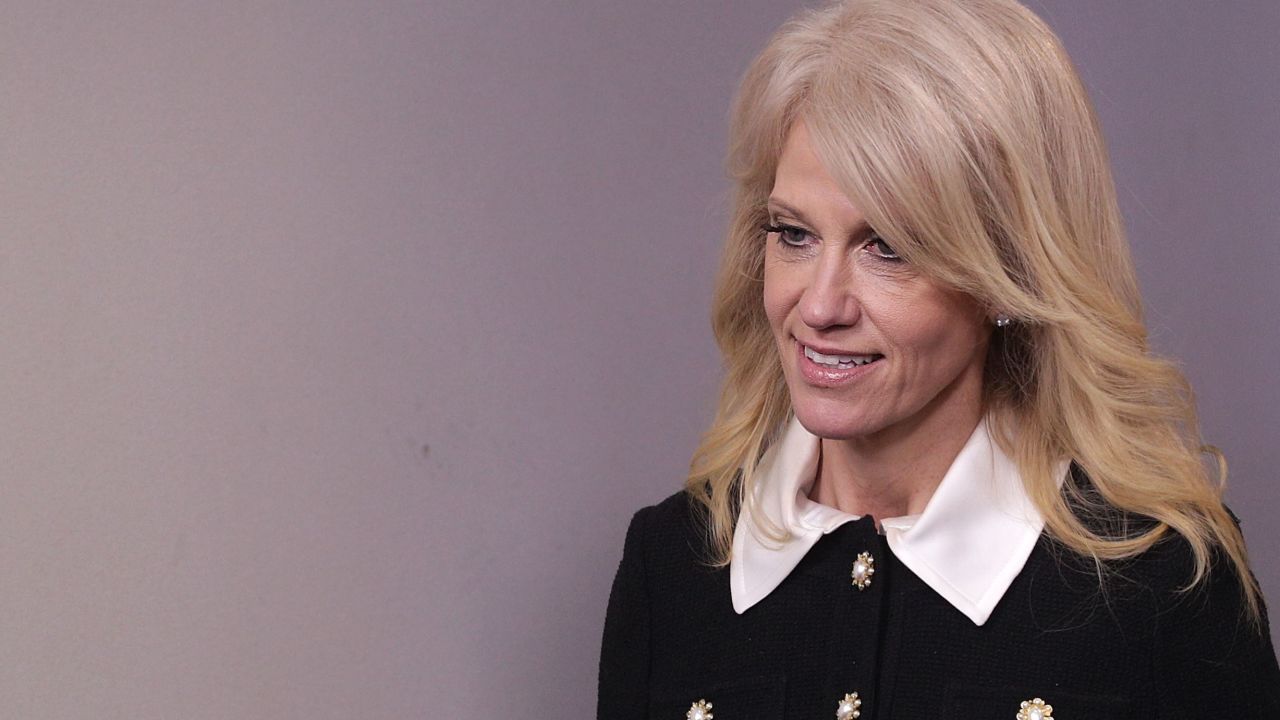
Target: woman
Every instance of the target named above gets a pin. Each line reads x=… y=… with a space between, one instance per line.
x=946 y=477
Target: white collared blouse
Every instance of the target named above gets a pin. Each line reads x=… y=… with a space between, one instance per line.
x=970 y=542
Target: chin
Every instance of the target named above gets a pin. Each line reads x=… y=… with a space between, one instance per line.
x=833 y=420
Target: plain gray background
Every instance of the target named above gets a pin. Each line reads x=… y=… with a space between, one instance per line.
x=341 y=340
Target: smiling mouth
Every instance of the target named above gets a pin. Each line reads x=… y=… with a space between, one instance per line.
x=840 y=361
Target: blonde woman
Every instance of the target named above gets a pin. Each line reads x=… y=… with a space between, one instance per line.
x=947 y=477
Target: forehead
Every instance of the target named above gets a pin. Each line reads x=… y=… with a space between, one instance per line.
x=801 y=181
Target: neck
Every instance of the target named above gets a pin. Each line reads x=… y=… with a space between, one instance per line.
x=893 y=472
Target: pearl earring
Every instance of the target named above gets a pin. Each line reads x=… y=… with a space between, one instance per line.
x=1002 y=320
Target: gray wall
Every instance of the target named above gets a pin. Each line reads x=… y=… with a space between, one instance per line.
x=339 y=341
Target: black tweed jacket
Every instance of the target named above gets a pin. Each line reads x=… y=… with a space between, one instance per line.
x=1131 y=646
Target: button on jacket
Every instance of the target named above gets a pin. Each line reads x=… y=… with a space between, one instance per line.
x=965 y=611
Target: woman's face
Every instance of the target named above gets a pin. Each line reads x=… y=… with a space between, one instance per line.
x=867 y=344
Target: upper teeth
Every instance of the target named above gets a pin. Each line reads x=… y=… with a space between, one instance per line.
x=818 y=357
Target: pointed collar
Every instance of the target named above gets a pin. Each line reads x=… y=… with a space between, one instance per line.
x=970 y=542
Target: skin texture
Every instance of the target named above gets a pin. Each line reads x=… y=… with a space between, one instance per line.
x=891 y=433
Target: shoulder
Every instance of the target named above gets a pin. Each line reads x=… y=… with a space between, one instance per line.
x=1166 y=571
x=669 y=560
x=1208 y=651
x=1220 y=596
x=679 y=506
x=1206 y=621
x=655 y=536
x=676 y=526
x=633 y=617
x=1167 y=565
x=1097 y=515
x=1207 y=631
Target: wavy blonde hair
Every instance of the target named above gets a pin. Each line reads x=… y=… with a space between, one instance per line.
x=961 y=130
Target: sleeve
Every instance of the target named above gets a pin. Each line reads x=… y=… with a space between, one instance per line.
x=623 y=691
x=1210 y=659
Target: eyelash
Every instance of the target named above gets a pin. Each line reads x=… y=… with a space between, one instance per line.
x=874 y=239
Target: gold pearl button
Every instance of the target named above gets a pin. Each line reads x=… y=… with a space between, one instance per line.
x=848 y=707
x=863 y=568
x=700 y=710
x=1035 y=709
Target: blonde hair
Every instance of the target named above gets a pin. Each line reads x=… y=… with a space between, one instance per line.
x=962 y=131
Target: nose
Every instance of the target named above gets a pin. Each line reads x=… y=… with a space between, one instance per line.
x=830 y=300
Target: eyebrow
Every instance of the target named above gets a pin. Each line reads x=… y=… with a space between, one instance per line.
x=861 y=228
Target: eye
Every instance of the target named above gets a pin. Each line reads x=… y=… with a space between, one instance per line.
x=880 y=248
x=788 y=235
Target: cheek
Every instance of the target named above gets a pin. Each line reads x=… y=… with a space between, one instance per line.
x=777 y=294
x=944 y=329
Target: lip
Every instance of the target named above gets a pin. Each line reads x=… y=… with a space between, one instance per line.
x=831 y=350
x=828 y=377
